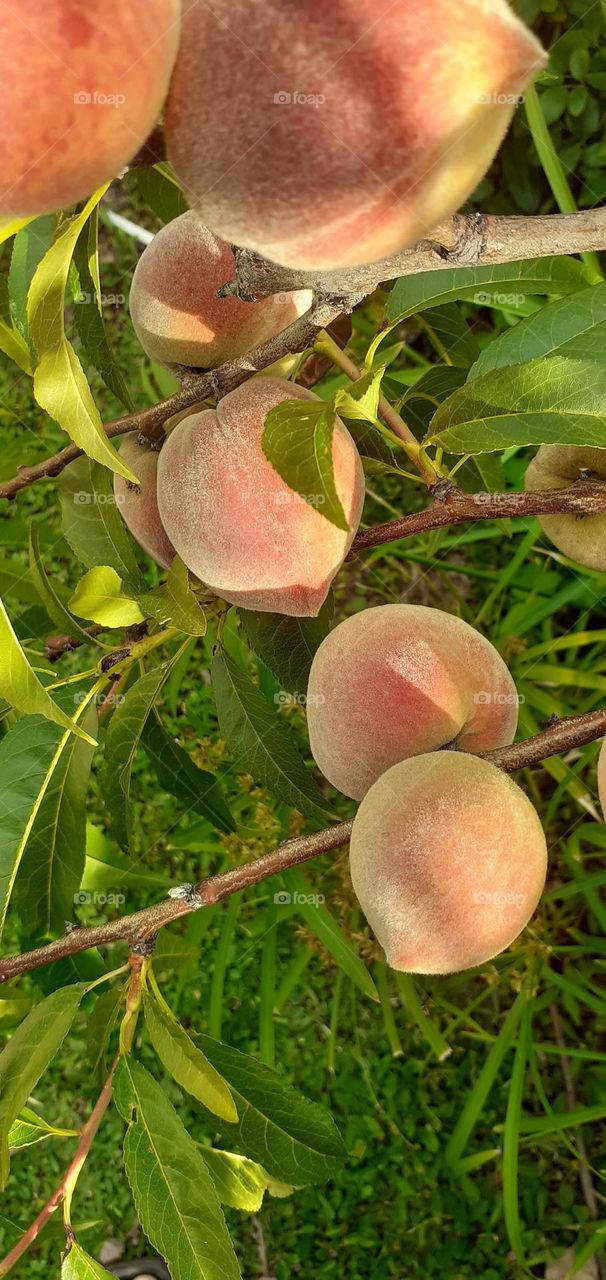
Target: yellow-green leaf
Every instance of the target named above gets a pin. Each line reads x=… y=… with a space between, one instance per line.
x=99 y=596
x=20 y=686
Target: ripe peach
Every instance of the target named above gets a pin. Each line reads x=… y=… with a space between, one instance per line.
x=83 y=86
x=448 y=860
x=139 y=506
x=400 y=680
x=174 y=307
x=325 y=138
x=556 y=466
x=234 y=521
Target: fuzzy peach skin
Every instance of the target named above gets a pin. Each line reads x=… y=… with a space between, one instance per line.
x=555 y=467
x=82 y=86
x=400 y=680
x=138 y=506
x=174 y=307
x=330 y=135
x=448 y=861
x=235 y=523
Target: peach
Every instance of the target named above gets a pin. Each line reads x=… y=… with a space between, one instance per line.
x=82 y=87
x=401 y=680
x=174 y=307
x=235 y=522
x=448 y=861
x=555 y=466
x=138 y=505
x=325 y=136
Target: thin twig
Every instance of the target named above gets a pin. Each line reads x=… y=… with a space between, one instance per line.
x=136 y=929
x=584 y=498
x=196 y=387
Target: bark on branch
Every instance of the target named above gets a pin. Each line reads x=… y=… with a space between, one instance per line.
x=139 y=928
x=464 y=241
x=584 y=498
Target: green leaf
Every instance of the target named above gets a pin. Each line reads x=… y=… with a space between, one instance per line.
x=185 y=1061
x=421 y=401
x=51 y=869
x=27 y=1055
x=99 y=1026
x=176 y=772
x=511 y=1138
x=88 y=313
x=125 y=728
x=287 y=645
x=450 y=334
x=558 y=1121
x=54 y=606
x=91 y=521
x=29 y=1129
x=77 y=1265
x=360 y=400
x=544 y=402
x=175 y=602
x=298 y=440
x=574 y=326
x=100 y=597
x=160 y=192
x=295 y=1139
x=239 y=1182
x=478 y=1094
x=60 y=386
x=106 y=868
x=173 y=1191
x=21 y=687
x=13 y=346
x=482 y=285
x=31 y=243
x=260 y=741
x=321 y=923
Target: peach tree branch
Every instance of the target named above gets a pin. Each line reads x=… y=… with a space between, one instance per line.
x=466 y=240
x=140 y=928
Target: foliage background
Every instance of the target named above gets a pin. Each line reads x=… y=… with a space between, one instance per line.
x=395 y=1209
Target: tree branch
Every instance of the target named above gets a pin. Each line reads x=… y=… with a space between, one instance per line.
x=466 y=240
x=139 y=928
x=196 y=386
x=583 y=498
